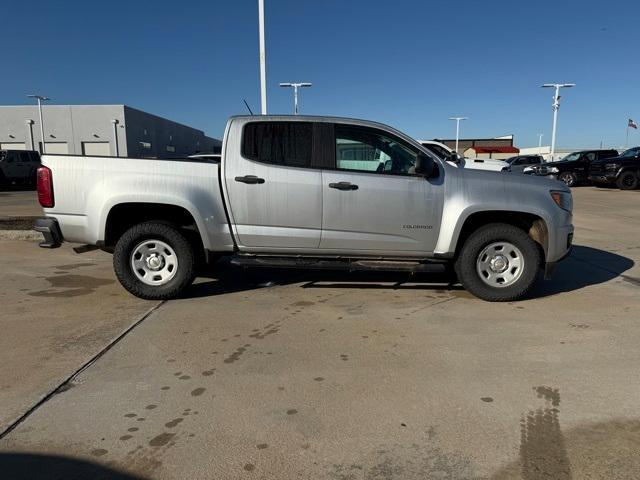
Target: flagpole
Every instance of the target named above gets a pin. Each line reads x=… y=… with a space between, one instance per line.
x=626 y=143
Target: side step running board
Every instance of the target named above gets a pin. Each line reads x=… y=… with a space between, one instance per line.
x=337 y=264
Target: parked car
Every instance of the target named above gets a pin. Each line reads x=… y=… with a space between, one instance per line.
x=444 y=152
x=519 y=163
x=18 y=167
x=574 y=168
x=310 y=192
x=622 y=171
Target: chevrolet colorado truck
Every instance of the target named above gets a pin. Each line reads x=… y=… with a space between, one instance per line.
x=307 y=192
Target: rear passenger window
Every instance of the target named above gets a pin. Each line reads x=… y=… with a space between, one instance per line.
x=279 y=143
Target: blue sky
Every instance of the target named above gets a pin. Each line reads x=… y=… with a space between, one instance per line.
x=407 y=63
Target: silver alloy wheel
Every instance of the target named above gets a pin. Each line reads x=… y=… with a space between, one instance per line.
x=500 y=264
x=154 y=262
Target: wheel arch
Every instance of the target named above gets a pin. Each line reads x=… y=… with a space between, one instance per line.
x=533 y=224
x=122 y=216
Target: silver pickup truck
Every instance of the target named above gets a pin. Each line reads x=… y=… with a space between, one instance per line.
x=307 y=192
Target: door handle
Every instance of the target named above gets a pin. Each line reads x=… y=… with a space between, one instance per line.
x=343 y=186
x=250 y=179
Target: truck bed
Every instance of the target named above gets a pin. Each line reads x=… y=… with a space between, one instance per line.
x=87 y=187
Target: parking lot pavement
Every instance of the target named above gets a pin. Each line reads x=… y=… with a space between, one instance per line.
x=356 y=377
x=19 y=203
x=58 y=311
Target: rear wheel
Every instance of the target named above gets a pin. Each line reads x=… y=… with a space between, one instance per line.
x=568 y=178
x=627 y=181
x=154 y=261
x=498 y=263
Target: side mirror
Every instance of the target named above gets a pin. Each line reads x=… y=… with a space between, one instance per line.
x=455 y=157
x=426 y=167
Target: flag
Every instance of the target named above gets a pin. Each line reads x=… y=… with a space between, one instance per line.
x=632 y=124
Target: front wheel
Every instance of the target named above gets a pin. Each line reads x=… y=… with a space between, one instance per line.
x=627 y=181
x=568 y=178
x=154 y=261
x=498 y=263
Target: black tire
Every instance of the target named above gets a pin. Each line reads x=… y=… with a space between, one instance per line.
x=185 y=271
x=465 y=264
x=627 y=181
x=568 y=178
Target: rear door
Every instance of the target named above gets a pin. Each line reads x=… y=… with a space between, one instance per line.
x=373 y=203
x=273 y=194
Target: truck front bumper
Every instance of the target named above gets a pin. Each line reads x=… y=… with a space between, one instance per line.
x=50 y=230
x=564 y=245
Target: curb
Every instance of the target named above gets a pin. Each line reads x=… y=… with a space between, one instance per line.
x=25 y=235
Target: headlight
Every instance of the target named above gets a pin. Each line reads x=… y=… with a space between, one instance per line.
x=612 y=166
x=553 y=170
x=563 y=199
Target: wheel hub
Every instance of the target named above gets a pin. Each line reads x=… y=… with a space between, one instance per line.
x=154 y=262
x=499 y=263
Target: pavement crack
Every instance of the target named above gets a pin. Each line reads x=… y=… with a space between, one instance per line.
x=67 y=383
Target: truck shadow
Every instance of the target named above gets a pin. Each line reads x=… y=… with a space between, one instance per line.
x=585 y=266
x=31 y=466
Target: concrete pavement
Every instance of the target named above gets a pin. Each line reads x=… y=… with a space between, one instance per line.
x=362 y=377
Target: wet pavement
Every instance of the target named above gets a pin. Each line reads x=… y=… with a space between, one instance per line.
x=332 y=376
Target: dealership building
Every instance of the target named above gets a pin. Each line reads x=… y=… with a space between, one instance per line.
x=104 y=130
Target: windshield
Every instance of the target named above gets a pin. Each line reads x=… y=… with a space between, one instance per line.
x=571 y=156
x=632 y=152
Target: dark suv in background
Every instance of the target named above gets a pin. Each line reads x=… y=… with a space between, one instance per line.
x=520 y=162
x=622 y=171
x=574 y=168
x=18 y=167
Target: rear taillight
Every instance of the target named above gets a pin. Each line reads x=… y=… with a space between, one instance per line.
x=45 y=187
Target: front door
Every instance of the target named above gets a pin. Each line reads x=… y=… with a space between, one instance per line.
x=275 y=197
x=373 y=203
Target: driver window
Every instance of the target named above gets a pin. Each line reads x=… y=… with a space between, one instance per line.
x=366 y=150
x=590 y=156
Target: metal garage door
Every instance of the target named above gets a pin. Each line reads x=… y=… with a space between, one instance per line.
x=12 y=146
x=98 y=149
x=57 y=147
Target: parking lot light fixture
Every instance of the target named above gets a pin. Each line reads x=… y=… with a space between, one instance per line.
x=41 y=99
x=556 y=106
x=295 y=87
x=263 y=59
x=457 y=119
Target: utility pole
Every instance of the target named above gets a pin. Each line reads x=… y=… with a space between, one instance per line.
x=263 y=59
x=556 y=106
x=457 y=119
x=41 y=99
x=295 y=87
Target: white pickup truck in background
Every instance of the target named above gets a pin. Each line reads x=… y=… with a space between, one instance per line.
x=307 y=192
x=444 y=152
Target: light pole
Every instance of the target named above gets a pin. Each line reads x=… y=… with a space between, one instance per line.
x=556 y=106
x=263 y=59
x=115 y=135
x=30 y=127
x=540 y=141
x=41 y=99
x=295 y=87
x=457 y=119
